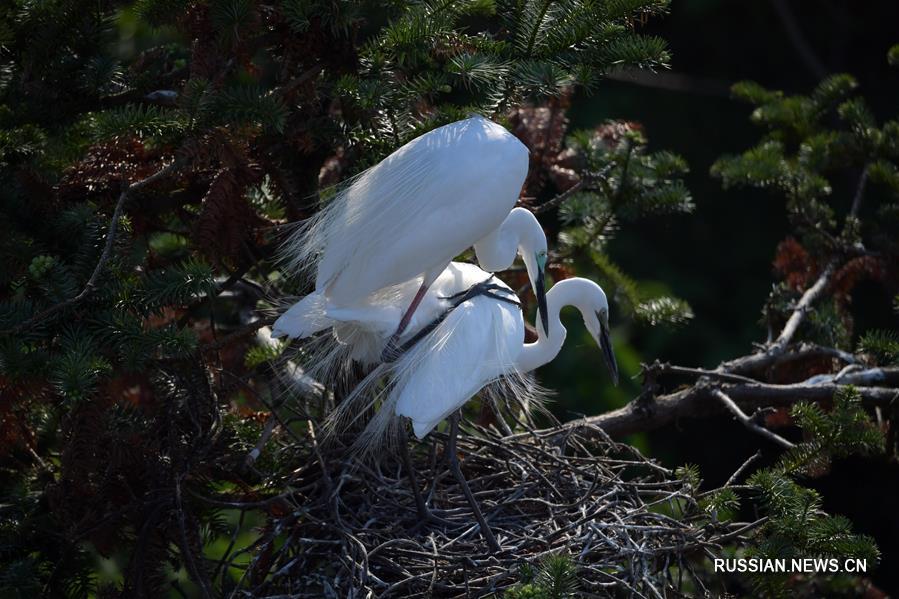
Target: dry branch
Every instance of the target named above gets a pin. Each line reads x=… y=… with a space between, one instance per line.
x=699 y=401
x=748 y=421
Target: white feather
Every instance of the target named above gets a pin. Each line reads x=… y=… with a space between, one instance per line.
x=409 y=215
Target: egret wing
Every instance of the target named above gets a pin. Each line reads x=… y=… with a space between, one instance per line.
x=304 y=318
x=419 y=208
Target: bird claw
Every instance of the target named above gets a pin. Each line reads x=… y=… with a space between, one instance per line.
x=485 y=288
x=392 y=351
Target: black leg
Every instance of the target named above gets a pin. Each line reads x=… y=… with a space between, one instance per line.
x=423 y=512
x=392 y=351
x=457 y=471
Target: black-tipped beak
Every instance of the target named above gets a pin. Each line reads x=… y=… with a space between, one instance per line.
x=605 y=343
x=540 y=292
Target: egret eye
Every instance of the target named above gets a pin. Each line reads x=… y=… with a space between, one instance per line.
x=541 y=260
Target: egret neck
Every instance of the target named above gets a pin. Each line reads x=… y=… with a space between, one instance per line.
x=591 y=301
x=521 y=234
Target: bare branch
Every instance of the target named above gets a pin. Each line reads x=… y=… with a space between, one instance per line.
x=238 y=334
x=556 y=201
x=671 y=81
x=797 y=38
x=693 y=402
x=859 y=194
x=802 y=307
x=748 y=421
x=759 y=361
x=739 y=472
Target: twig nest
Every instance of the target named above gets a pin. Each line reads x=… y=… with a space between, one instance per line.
x=623 y=519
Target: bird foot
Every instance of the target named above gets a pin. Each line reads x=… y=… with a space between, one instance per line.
x=391 y=352
x=485 y=288
x=429 y=517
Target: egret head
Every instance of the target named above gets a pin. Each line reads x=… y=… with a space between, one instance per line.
x=596 y=319
x=520 y=233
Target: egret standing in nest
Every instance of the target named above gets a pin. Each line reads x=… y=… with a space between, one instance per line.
x=407 y=217
x=469 y=334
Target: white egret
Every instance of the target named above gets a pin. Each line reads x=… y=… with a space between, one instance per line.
x=482 y=340
x=411 y=214
x=467 y=334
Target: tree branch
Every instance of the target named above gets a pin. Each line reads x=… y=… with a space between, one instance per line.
x=762 y=360
x=802 y=307
x=671 y=81
x=556 y=201
x=811 y=295
x=241 y=332
x=694 y=402
x=104 y=256
x=797 y=38
x=748 y=421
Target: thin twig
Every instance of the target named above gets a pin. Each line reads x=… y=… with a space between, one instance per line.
x=736 y=475
x=747 y=421
x=556 y=201
x=806 y=53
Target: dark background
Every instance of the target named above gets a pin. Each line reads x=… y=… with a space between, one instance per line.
x=719 y=259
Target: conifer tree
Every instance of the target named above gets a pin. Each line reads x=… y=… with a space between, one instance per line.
x=143 y=192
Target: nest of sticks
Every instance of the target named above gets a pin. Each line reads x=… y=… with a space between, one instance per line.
x=352 y=527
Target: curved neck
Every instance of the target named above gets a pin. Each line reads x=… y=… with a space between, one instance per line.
x=569 y=292
x=520 y=233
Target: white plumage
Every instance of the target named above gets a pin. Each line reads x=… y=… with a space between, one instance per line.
x=480 y=341
x=407 y=217
x=380 y=254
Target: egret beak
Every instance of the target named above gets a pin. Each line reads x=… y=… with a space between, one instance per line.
x=608 y=354
x=540 y=292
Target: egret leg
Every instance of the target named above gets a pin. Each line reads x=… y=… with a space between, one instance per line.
x=424 y=513
x=390 y=350
x=453 y=460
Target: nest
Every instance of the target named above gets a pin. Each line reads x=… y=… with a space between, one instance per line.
x=352 y=527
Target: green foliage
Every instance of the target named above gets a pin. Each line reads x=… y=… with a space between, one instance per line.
x=127 y=400
x=624 y=183
x=178 y=285
x=790 y=520
x=722 y=505
x=883 y=346
x=893 y=55
x=811 y=145
x=140 y=120
x=844 y=430
x=797 y=525
x=556 y=578
x=252 y=106
x=664 y=310
x=131 y=404
x=442 y=54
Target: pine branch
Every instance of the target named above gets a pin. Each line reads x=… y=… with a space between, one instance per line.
x=104 y=256
x=811 y=295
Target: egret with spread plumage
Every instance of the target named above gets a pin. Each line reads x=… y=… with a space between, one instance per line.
x=411 y=214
